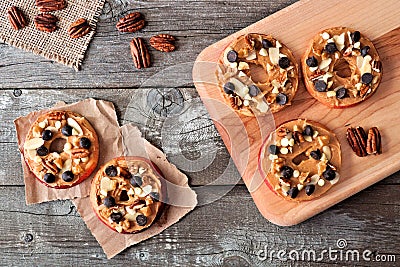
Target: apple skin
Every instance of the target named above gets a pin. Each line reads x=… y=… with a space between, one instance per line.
x=163 y=192
x=83 y=177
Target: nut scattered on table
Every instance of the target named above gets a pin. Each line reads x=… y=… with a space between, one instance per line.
x=79 y=28
x=46 y=22
x=50 y=5
x=363 y=144
x=374 y=145
x=140 y=54
x=163 y=42
x=16 y=18
x=131 y=22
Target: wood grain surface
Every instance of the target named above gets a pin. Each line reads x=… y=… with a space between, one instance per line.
x=379 y=110
x=228 y=232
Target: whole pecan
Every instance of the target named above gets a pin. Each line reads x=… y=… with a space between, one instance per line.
x=46 y=22
x=163 y=42
x=374 y=144
x=140 y=54
x=131 y=22
x=50 y=5
x=79 y=28
x=16 y=18
x=357 y=139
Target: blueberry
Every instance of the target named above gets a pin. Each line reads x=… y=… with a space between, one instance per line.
x=312 y=62
x=85 y=142
x=284 y=62
x=308 y=130
x=67 y=176
x=316 y=154
x=42 y=151
x=267 y=43
x=232 y=56
x=293 y=192
x=109 y=202
x=155 y=196
x=66 y=130
x=365 y=50
x=355 y=36
x=341 y=93
x=320 y=86
x=136 y=181
x=47 y=135
x=49 y=178
x=141 y=220
x=111 y=171
x=329 y=174
x=273 y=149
x=229 y=88
x=366 y=78
x=330 y=48
x=281 y=99
x=254 y=90
x=116 y=217
x=309 y=189
x=287 y=172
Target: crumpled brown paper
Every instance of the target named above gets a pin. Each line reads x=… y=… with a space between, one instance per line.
x=181 y=198
x=101 y=115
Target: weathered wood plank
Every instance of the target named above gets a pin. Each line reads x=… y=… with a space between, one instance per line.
x=108 y=64
x=230 y=231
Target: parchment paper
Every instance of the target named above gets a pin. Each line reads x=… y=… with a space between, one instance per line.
x=178 y=192
x=102 y=116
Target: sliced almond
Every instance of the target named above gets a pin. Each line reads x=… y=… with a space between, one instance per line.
x=327 y=152
x=366 y=65
x=31 y=153
x=252 y=55
x=33 y=143
x=263 y=52
x=57 y=124
x=67 y=165
x=131 y=216
x=75 y=125
x=243 y=66
x=331 y=94
x=325 y=36
x=43 y=124
x=325 y=63
x=107 y=184
x=274 y=55
x=37 y=131
x=146 y=211
x=314 y=179
x=145 y=190
x=85 y=159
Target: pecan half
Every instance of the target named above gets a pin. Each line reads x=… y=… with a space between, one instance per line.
x=140 y=54
x=50 y=5
x=79 y=28
x=50 y=167
x=56 y=115
x=374 y=144
x=46 y=22
x=364 y=90
x=282 y=131
x=16 y=18
x=376 y=66
x=78 y=153
x=131 y=22
x=357 y=139
x=163 y=42
x=298 y=137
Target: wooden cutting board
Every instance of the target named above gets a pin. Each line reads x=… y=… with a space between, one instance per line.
x=295 y=26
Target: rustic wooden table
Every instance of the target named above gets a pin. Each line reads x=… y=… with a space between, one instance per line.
x=230 y=231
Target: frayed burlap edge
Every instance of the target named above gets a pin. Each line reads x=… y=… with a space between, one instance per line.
x=74 y=63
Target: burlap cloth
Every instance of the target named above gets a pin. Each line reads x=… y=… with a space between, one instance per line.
x=57 y=46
